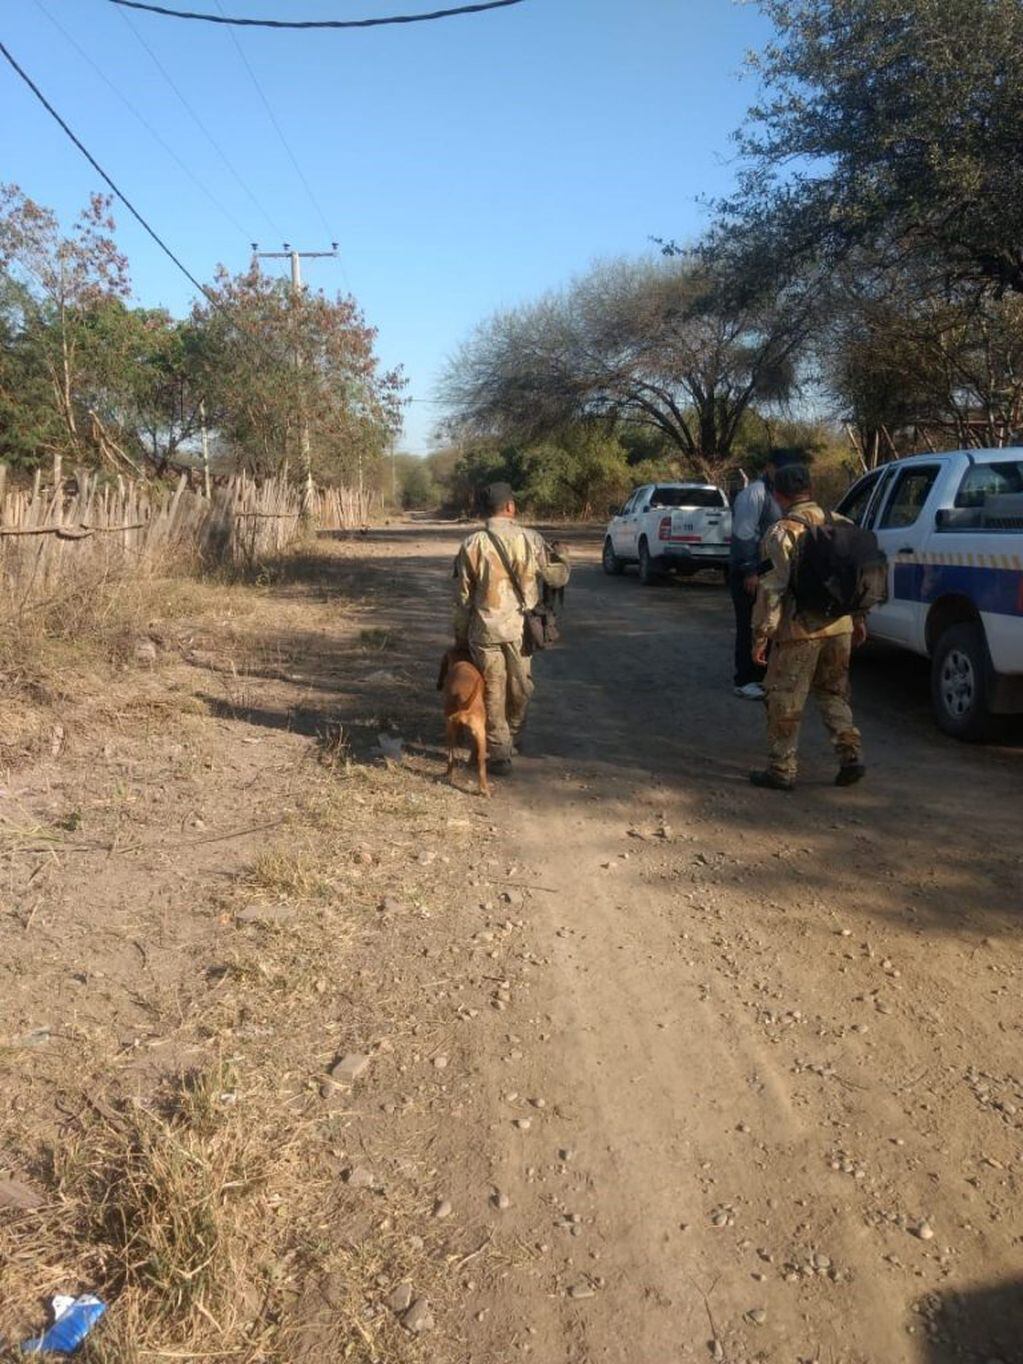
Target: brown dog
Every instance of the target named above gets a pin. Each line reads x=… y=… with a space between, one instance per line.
x=464 y=709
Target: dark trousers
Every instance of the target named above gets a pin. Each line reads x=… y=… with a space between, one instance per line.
x=745 y=669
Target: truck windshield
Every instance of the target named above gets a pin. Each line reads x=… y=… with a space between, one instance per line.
x=687 y=497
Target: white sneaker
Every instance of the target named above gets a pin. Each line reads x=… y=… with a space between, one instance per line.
x=752 y=691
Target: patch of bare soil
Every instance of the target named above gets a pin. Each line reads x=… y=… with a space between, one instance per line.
x=310 y=1056
x=217 y=893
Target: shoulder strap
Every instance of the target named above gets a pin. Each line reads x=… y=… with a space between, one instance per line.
x=799 y=520
x=502 y=554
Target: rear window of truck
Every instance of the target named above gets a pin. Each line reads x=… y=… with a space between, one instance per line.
x=688 y=497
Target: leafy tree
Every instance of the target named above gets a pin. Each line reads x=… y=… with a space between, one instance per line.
x=416 y=488
x=56 y=287
x=578 y=476
x=910 y=363
x=272 y=363
x=885 y=123
x=651 y=344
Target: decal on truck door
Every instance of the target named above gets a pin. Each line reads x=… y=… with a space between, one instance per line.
x=994 y=589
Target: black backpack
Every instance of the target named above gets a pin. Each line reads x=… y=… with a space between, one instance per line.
x=840 y=569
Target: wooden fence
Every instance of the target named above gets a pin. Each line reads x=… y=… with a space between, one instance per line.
x=90 y=527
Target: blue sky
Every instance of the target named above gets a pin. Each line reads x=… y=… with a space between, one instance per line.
x=462 y=165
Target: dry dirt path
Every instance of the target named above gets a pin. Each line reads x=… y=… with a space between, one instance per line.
x=692 y=1072
x=775 y=1038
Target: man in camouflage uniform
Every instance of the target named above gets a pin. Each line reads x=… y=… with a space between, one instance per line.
x=808 y=653
x=489 y=615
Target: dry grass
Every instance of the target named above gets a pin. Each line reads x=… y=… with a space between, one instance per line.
x=206 y=1207
x=166 y=1208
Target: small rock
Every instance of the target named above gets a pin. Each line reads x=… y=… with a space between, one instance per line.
x=442 y=1208
x=566 y=1154
x=440 y=1062
x=581 y=1290
x=19 y=1196
x=717 y=1350
x=418 y=1318
x=758 y=1315
x=349 y=1068
x=502 y=1201
x=401 y=1299
x=923 y=1231
x=359 y=1177
x=389 y=905
x=523 y=1124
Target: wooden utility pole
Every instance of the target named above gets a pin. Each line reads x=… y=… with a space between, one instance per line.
x=205 y=448
x=296 y=258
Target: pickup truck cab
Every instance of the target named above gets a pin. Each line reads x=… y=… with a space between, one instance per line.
x=665 y=527
x=951 y=525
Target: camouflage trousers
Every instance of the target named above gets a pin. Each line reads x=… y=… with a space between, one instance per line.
x=797 y=667
x=508 y=684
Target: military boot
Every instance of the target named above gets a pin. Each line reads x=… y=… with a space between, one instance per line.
x=771 y=780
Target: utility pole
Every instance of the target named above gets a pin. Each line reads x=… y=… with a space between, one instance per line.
x=205 y=448
x=296 y=258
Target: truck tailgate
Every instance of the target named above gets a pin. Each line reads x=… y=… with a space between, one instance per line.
x=703 y=529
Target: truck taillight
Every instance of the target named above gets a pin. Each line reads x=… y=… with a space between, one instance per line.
x=664 y=529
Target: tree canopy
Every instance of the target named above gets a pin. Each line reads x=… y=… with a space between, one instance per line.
x=650 y=343
x=895 y=125
x=86 y=374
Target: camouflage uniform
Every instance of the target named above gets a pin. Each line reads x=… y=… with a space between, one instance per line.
x=488 y=618
x=809 y=653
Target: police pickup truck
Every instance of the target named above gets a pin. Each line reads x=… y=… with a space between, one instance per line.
x=952 y=528
x=664 y=527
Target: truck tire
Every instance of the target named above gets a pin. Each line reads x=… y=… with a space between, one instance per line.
x=960 y=672
x=612 y=564
x=648 y=574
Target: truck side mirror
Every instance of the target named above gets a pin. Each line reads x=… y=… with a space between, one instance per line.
x=941 y=518
x=614 y=510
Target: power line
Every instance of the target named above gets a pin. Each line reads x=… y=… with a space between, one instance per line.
x=317 y=23
x=211 y=298
x=200 y=124
x=100 y=171
x=145 y=123
x=279 y=130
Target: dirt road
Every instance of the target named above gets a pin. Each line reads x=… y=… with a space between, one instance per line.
x=651 y=1067
x=779 y=1034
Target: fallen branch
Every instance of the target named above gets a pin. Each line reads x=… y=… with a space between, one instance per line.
x=524 y=885
x=81 y=532
x=195 y=842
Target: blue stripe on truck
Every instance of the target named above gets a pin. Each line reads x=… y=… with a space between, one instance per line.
x=997 y=590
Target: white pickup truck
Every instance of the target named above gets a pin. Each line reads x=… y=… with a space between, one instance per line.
x=664 y=527
x=952 y=528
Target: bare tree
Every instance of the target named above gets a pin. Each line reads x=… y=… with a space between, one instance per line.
x=648 y=342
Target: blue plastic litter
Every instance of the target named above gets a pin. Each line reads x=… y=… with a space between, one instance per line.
x=74 y=1319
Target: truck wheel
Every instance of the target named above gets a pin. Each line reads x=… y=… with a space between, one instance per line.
x=648 y=574
x=960 y=668
x=612 y=564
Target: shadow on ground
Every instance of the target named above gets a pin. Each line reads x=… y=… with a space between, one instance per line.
x=979 y=1324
